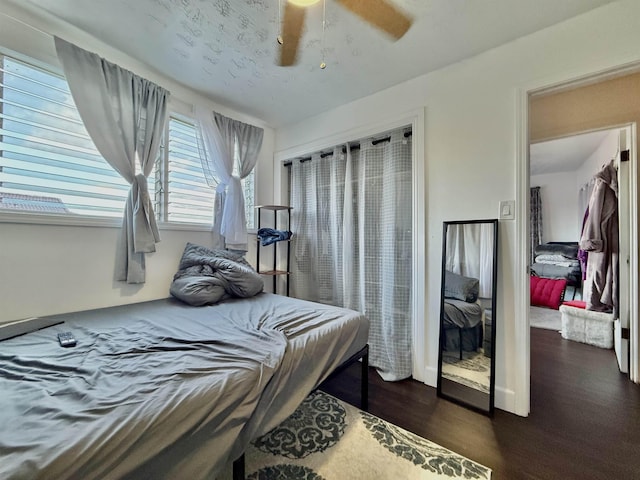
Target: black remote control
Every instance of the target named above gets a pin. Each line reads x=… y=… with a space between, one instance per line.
x=66 y=339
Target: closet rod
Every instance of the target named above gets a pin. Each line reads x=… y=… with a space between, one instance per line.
x=354 y=147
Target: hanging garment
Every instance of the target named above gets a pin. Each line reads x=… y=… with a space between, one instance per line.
x=600 y=239
x=583 y=255
x=584 y=195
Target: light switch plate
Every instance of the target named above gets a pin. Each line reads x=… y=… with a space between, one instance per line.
x=507 y=210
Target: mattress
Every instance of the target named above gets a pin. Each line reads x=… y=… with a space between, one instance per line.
x=319 y=339
x=467 y=316
x=571 y=274
x=461 y=314
x=162 y=389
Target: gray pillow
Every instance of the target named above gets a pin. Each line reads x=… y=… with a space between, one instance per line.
x=198 y=291
x=193 y=253
x=461 y=287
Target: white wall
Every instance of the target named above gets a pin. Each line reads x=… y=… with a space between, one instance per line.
x=470 y=147
x=561 y=212
x=49 y=269
x=606 y=151
x=561 y=220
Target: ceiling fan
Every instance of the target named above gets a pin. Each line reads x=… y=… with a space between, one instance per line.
x=379 y=13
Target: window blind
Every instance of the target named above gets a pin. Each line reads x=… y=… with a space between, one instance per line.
x=48 y=162
x=190 y=198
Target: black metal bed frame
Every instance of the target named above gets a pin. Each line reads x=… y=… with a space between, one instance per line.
x=239 y=464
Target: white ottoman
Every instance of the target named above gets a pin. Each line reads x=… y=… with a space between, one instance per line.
x=580 y=325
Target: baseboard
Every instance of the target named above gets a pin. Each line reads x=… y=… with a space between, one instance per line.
x=431 y=376
x=505 y=399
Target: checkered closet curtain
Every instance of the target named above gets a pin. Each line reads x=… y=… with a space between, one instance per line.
x=352 y=219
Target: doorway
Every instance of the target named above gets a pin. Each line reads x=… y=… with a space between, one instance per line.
x=562 y=175
x=560 y=111
x=591 y=103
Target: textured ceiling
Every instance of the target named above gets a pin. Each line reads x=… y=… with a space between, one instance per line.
x=227 y=49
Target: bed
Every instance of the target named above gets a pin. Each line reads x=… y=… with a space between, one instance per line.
x=163 y=389
x=558 y=260
x=462 y=314
x=463 y=326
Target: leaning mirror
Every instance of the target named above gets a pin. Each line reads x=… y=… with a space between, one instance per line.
x=466 y=366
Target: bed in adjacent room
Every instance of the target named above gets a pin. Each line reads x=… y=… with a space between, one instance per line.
x=558 y=260
x=163 y=389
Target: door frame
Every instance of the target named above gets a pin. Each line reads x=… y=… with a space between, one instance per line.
x=627 y=171
x=521 y=287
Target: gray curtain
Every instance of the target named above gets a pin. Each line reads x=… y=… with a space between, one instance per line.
x=535 y=222
x=124 y=115
x=221 y=141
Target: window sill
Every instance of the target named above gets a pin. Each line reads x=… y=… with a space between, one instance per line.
x=59 y=220
x=28 y=218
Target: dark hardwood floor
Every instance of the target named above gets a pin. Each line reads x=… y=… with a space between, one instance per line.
x=584 y=421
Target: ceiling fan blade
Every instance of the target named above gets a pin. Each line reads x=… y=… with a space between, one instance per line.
x=381 y=14
x=291 y=33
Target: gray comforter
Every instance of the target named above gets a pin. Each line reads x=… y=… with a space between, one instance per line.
x=160 y=389
x=468 y=317
x=207 y=276
x=572 y=274
x=142 y=400
x=458 y=313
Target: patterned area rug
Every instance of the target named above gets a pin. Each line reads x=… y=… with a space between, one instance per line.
x=326 y=439
x=474 y=370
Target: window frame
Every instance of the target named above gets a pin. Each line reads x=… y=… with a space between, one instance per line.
x=60 y=219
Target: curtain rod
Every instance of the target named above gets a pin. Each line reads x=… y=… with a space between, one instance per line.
x=354 y=147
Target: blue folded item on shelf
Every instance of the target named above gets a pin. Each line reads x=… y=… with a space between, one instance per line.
x=268 y=236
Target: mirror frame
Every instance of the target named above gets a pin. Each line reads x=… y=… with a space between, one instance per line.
x=461 y=401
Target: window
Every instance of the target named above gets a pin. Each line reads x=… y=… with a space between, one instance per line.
x=49 y=164
x=190 y=199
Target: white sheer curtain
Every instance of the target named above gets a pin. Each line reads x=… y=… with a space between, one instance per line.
x=222 y=139
x=124 y=115
x=470 y=253
x=352 y=220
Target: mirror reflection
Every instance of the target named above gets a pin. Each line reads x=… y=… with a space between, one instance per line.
x=467 y=320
